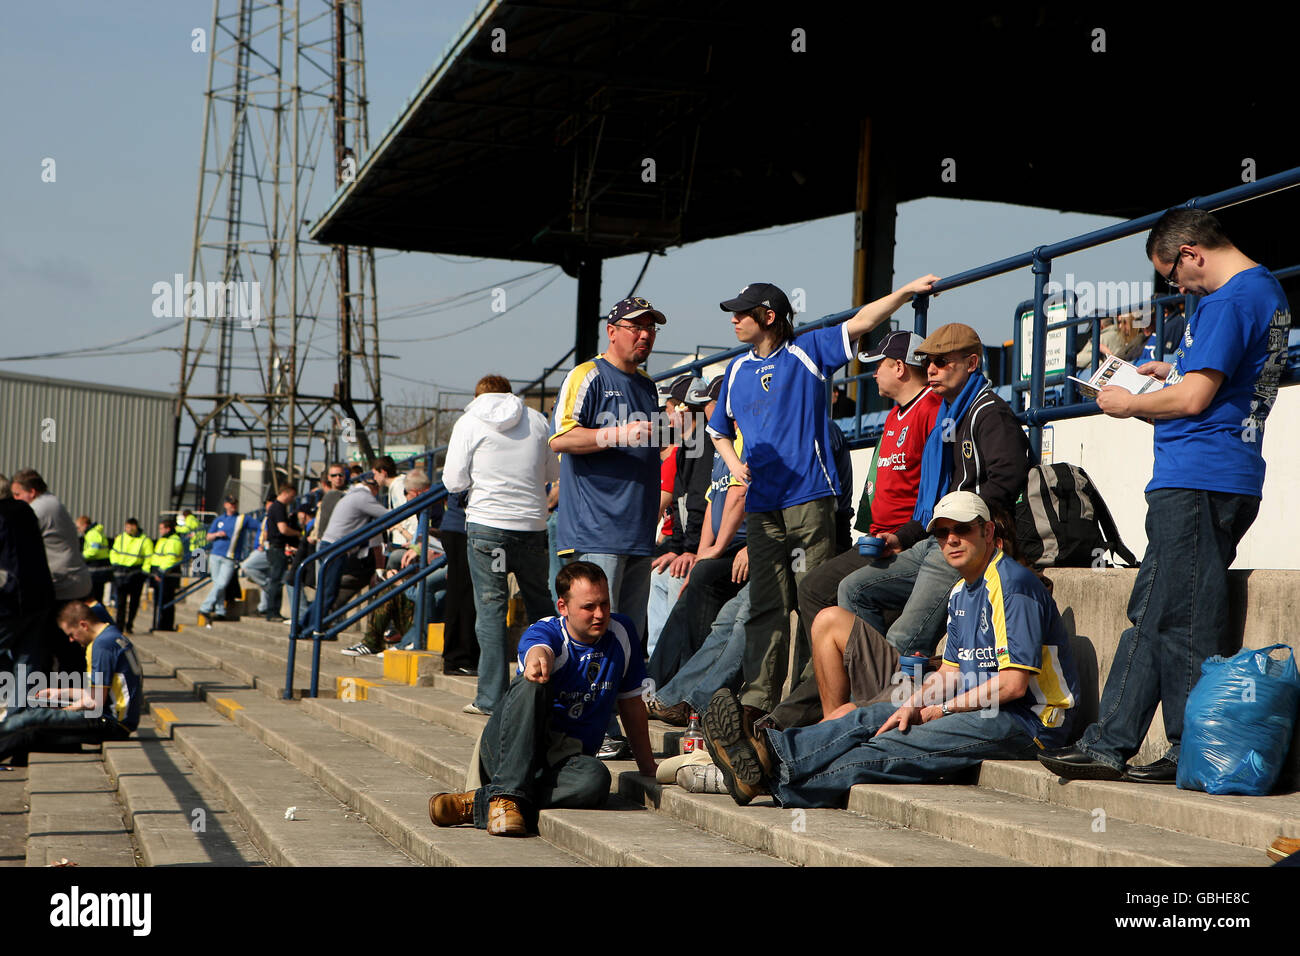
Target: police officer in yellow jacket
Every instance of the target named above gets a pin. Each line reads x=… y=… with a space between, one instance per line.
x=95 y=549
x=131 y=549
x=164 y=569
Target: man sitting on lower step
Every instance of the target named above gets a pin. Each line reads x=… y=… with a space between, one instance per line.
x=1006 y=690
x=107 y=708
x=539 y=747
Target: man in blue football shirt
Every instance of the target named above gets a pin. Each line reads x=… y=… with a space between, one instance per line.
x=1007 y=688
x=1204 y=492
x=539 y=746
x=776 y=396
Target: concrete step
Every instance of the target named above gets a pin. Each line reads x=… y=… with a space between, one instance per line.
x=13 y=816
x=1245 y=821
x=224 y=664
x=1039 y=833
x=175 y=817
x=805 y=837
x=74 y=813
x=392 y=796
x=260 y=786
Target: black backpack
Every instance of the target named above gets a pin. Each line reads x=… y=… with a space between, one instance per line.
x=1063 y=522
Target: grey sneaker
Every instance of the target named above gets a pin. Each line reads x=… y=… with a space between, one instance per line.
x=701 y=778
x=472 y=708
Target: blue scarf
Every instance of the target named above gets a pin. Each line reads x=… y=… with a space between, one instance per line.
x=936 y=459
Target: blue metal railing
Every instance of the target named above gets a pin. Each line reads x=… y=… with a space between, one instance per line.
x=323 y=623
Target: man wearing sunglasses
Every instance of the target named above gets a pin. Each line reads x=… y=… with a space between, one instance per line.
x=1203 y=495
x=977 y=446
x=1006 y=689
x=604 y=431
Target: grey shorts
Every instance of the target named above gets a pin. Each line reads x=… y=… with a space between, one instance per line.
x=872 y=664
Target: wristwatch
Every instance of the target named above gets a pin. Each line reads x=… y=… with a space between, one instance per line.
x=944 y=708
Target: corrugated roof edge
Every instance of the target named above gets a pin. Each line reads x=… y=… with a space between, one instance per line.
x=84 y=386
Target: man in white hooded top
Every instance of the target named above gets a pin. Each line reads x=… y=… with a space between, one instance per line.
x=499 y=450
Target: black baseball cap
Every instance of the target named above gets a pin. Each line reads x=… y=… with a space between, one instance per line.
x=756 y=294
x=633 y=307
x=896 y=345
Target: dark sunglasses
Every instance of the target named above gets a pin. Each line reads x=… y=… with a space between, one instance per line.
x=961 y=530
x=939 y=361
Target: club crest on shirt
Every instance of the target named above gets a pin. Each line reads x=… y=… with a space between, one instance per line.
x=902 y=436
x=593 y=669
x=766 y=382
x=968 y=448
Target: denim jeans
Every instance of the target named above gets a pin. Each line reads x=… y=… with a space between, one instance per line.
x=254 y=568
x=328 y=577
x=553 y=562
x=664 y=592
x=692 y=616
x=916 y=581
x=529 y=763
x=1179 y=613
x=819 y=764
x=276 y=569
x=222 y=570
x=717 y=663
x=435 y=592
x=493 y=553
x=38 y=728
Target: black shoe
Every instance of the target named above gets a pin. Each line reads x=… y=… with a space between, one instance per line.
x=746 y=771
x=461 y=671
x=1163 y=770
x=277 y=619
x=1073 y=764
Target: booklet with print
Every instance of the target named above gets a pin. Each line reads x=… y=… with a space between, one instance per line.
x=1115 y=371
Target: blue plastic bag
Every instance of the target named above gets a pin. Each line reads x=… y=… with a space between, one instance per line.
x=1238 y=723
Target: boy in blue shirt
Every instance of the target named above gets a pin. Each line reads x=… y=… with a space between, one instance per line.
x=539 y=746
x=776 y=396
x=1204 y=492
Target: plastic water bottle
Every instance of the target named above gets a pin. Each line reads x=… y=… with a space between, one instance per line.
x=693 y=739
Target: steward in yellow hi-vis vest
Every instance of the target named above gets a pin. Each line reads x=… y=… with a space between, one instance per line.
x=165 y=570
x=95 y=546
x=95 y=549
x=130 y=551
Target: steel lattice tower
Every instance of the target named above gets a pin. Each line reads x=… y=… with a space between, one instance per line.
x=284 y=123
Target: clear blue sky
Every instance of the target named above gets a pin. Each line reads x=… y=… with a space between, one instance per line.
x=113 y=93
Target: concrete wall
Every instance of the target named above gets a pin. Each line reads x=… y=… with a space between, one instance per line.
x=1117 y=455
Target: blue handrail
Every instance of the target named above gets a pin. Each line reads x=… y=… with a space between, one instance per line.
x=324 y=623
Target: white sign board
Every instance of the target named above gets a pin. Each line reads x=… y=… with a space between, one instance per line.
x=1055 y=343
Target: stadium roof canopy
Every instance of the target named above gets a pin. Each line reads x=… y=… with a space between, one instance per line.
x=562 y=130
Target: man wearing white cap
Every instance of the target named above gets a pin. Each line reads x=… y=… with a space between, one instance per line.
x=1006 y=690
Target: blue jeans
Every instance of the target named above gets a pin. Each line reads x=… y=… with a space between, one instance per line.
x=917 y=582
x=493 y=553
x=532 y=764
x=39 y=728
x=435 y=592
x=553 y=562
x=819 y=764
x=1179 y=612
x=664 y=592
x=255 y=569
x=222 y=570
x=329 y=574
x=718 y=662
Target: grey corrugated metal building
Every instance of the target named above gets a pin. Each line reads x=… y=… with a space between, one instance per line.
x=104 y=451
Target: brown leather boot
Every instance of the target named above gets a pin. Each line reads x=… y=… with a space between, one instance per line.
x=678 y=715
x=505 y=818
x=452 y=809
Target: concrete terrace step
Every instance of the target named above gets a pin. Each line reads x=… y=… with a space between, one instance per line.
x=175 y=817
x=239 y=667
x=805 y=837
x=392 y=796
x=260 y=786
x=1039 y=833
x=74 y=814
x=1245 y=821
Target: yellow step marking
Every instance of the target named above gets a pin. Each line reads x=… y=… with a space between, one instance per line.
x=227 y=706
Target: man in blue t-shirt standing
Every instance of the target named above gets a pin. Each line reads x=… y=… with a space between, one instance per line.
x=1204 y=492
x=776 y=396
x=1006 y=689
x=604 y=430
x=226 y=545
x=539 y=746
x=107 y=708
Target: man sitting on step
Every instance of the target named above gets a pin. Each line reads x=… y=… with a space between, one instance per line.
x=1006 y=690
x=107 y=708
x=539 y=747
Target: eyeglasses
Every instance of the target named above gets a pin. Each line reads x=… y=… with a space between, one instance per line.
x=637 y=329
x=1172 y=278
x=961 y=530
x=940 y=361
x=336 y=474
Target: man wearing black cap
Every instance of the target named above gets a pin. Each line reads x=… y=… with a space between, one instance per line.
x=977 y=445
x=690 y=490
x=604 y=431
x=776 y=395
